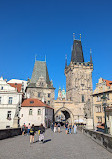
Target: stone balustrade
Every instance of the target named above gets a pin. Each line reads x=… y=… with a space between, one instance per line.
x=6 y=133
x=102 y=139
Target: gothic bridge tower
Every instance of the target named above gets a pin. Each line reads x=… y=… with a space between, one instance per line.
x=79 y=79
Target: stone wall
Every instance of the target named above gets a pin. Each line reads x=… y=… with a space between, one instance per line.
x=6 y=133
x=102 y=139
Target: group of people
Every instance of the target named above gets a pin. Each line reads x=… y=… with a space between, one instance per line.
x=30 y=130
x=56 y=127
x=68 y=128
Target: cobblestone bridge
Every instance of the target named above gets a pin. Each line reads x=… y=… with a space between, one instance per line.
x=56 y=146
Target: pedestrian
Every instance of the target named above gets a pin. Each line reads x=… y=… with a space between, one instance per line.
x=70 y=128
x=23 y=129
x=55 y=127
x=28 y=130
x=59 y=127
x=32 y=133
x=75 y=128
x=66 y=128
x=52 y=126
x=41 y=133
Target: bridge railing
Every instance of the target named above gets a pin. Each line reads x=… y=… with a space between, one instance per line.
x=11 y=132
x=102 y=139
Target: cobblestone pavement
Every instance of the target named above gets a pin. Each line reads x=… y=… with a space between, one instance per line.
x=56 y=146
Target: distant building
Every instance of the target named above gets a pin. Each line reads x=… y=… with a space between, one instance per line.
x=35 y=112
x=61 y=94
x=10 y=104
x=103 y=87
x=19 y=84
x=109 y=117
x=40 y=86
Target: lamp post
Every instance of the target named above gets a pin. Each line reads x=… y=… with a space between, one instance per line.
x=104 y=104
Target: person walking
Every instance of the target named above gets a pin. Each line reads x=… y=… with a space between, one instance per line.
x=28 y=130
x=70 y=128
x=23 y=129
x=75 y=128
x=55 y=127
x=41 y=133
x=59 y=127
x=32 y=133
x=52 y=126
x=66 y=128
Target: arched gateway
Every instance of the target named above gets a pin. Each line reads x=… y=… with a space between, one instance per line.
x=63 y=114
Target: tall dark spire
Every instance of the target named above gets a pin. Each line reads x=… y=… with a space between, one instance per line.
x=77 y=53
x=91 y=61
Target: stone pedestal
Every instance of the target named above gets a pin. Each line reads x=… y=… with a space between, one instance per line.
x=89 y=124
x=15 y=122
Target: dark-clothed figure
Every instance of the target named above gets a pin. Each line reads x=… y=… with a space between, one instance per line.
x=32 y=133
x=41 y=133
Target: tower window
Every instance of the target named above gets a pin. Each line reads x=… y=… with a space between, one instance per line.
x=82 y=98
x=39 y=94
x=49 y=95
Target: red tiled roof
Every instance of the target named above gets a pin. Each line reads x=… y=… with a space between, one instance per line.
x=16 y=85
x=32 y=102
x=107 y=82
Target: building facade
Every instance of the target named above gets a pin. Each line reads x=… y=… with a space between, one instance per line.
x=78 y=87
x=40 y=86
x=103 y=87
x=10 y=105
x=35 y=112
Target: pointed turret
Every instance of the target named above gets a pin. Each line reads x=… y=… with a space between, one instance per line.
x=77 y=53
x=91 y=61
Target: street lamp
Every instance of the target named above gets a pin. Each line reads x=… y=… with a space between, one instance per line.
x=104 y=104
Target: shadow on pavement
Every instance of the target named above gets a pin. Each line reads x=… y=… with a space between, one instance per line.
x=47 y=140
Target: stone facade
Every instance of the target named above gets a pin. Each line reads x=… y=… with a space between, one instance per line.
x=78 y=87
x=103 y=87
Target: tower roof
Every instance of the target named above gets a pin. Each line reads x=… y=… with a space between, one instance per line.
x=77 y=53
x=40 y=69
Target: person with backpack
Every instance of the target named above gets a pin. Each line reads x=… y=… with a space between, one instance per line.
x=41 y=133
x=32 y=133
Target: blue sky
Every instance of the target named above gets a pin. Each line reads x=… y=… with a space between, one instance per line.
x=40 y=27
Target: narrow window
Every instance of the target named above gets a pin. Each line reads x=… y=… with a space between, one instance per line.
x=10 y=100
x=0 y=99
x=30 y=112
x=39 y=94
x=82 y=98
x=39 y=111
x=1 y=88
x=49 y=95
x=9 y=115
x=48 y=102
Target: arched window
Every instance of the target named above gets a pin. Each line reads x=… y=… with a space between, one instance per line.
x=39 y=112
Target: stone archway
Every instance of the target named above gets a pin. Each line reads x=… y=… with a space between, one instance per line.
x=63 y=114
